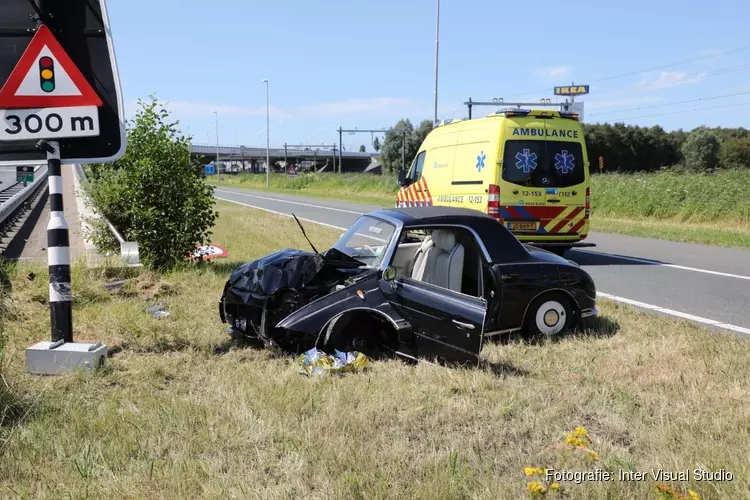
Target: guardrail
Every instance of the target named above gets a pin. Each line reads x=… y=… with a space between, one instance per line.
x=129 y=252
x=12 y=207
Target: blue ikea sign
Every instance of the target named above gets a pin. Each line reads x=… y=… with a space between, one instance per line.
x=572 y=90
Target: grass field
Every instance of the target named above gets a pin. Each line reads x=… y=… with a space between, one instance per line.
x=179 y=412
x=698 y=208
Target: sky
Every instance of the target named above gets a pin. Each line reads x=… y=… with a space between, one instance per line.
x=365 y=65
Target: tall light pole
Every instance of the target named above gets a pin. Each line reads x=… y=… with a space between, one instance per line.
x=437 y=43
x=268 y=138
x=217 y=140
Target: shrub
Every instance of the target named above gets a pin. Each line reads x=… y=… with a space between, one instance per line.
x=735 y=152
x=701 y=149
x=154 y=194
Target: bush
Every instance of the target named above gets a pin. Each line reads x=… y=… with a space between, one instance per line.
x=154 y=194
x=701 y=150
x=735 y=152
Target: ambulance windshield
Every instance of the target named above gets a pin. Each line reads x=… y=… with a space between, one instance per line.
x=543 y=163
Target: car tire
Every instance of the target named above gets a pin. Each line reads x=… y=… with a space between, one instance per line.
x=549 y=315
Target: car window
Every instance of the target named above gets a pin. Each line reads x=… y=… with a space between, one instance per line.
x=416 y=171
x=366 y=240
x=543 y=163
x=412 y=259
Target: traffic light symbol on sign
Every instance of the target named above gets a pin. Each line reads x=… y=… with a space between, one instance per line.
x=47 y=74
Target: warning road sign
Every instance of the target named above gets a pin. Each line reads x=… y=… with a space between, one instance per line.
x=59 y=81
x=46 y=80
x=291 y=171
x=45 y=76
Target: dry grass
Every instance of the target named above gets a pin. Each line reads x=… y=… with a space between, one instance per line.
x=178 y=412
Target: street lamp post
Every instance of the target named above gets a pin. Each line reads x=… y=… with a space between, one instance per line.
x=268 y=139
x=217 y=140
x=437 y=38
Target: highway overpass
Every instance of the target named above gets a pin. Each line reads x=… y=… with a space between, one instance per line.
x=246 y=158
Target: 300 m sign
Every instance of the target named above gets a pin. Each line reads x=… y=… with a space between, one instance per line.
x=49 y=123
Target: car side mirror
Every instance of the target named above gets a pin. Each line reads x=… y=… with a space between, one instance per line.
x=402 y=177
x=390 y=273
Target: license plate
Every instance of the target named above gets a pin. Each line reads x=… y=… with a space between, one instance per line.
x=522 y=226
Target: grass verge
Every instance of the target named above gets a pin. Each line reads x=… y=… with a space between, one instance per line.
x=179 y=412
x=709 y=209
x=356 y=188
x=731 y=235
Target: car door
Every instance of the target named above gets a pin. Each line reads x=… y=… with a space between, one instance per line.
x=445 y=324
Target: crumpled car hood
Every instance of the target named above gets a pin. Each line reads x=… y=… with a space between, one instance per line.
x=269 y=274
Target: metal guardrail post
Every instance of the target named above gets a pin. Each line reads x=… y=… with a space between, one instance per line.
x=129 y=251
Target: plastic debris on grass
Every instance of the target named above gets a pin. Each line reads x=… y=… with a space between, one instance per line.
x=317 y=362
x=157 y=310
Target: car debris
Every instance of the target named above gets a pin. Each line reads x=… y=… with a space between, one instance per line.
x=317 y=362
x=428 y=282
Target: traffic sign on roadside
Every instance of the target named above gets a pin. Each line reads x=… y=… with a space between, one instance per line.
x=59 y=81
x=291 y=172
x=25 y=173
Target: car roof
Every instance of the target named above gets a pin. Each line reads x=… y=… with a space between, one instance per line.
x=426 y=215
x=500 y=243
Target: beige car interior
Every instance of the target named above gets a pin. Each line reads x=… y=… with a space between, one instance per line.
x=441 y=260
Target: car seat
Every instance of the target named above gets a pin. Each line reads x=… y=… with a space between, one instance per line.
x=443 y=262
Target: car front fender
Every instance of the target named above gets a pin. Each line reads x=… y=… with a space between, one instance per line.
x=313 y=317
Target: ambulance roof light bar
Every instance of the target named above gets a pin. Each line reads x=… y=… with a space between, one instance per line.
x=498 y=101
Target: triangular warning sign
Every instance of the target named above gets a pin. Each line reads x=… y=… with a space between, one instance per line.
x=46 y=77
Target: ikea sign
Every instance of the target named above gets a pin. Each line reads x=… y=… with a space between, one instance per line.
x=572 y=90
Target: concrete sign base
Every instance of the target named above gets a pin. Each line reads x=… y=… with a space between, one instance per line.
x=49 y=358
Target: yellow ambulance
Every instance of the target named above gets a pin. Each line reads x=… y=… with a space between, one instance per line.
x=526 y=167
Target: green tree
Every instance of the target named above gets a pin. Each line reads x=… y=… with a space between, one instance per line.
x=154 y=194
x=701 y=149
x=393 y=144
x=362 y=149
x=735 y=152
x=376 y=144
x=420 y=134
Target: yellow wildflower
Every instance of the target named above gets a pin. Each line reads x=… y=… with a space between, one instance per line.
x=693 y=495
x=570 y=439
x=594 y=455
x=580 y=432
x=555 y=486
x=536 y=487
x=531 y=471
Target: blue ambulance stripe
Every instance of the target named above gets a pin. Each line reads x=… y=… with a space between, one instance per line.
x=523 y=213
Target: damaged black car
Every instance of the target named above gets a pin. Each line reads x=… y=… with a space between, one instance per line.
x=428 y=282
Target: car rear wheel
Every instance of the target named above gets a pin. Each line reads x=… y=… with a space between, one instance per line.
x=549 y=315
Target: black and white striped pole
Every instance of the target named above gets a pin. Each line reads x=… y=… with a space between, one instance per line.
x=60 y=354
x=58 y=251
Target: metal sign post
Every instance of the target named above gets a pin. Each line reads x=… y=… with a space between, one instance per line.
x=60 y=103
x=353 y=131
x=566 y=107
x=58 y=251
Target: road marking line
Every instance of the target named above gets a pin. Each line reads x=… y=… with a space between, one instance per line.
x=665 y=264
x=663 y=310
x=282 y=214
x=291 y=202
x=678 y=314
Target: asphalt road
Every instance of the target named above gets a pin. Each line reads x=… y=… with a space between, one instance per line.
x=7 y=176
x=708 y=285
